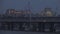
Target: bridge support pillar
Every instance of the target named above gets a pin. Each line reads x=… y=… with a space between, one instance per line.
x=41 y=27
x=52 y=28
x=8 y=25
x=11 y=26
x=21 y=26
x=34 y=27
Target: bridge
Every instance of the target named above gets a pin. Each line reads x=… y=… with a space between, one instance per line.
x=8 y=23
x=29 y=19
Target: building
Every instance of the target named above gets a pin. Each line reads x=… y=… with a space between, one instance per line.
x=47 y=12
x=17 y=13
x=10 y=11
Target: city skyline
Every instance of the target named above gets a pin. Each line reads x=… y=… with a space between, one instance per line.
x=35 y=5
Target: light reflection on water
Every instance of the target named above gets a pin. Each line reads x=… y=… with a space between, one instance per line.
x=28 y=28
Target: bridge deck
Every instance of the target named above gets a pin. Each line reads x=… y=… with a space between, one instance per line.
x=27 y=19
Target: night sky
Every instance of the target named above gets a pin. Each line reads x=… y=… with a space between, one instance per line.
x=36 y=5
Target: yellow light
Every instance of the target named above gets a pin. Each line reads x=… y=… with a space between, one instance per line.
x=49 y=13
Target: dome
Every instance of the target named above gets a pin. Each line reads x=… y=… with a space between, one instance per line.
x=47 y=12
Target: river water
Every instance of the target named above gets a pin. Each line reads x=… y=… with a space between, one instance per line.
x=16 y=27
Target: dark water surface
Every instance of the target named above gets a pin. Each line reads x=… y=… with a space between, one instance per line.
x=20 y=32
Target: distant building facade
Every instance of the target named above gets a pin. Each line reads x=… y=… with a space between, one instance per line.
x=17 y=13
x=47 y=12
